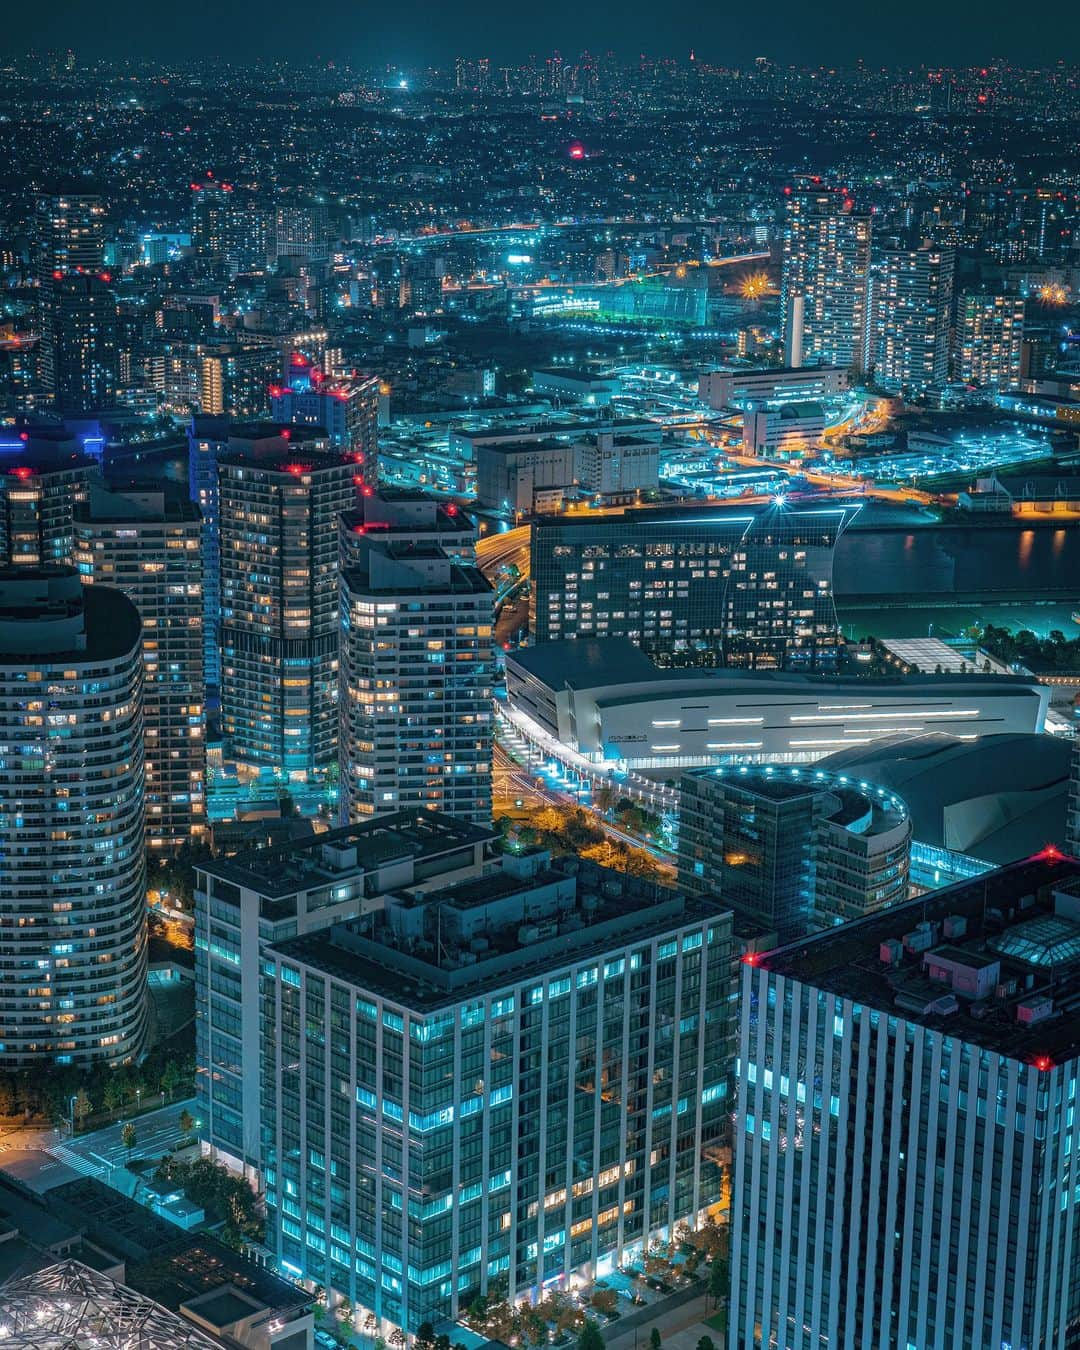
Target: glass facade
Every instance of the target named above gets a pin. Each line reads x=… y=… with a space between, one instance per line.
x=792 y=850
x=896 y=1185
x=505 y=1138
x=693 y=587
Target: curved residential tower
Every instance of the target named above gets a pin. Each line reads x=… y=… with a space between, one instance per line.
x=73 y=945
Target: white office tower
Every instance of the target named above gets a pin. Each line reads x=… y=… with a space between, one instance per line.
x=416 y=668
x=73 y=940
x=907 y=1148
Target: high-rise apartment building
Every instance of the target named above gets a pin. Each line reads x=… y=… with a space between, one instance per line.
x=279 y=607
x=1072 y=825
x=406 y=516
x=825 y=292
x=147 y=544
x=84 y=333
x=244 y=903
x=707 y=586
x=494 y=1085
x=989 y=339
x=417 y=665
x=229 y=229
x=73 y=959
x=792 y=849
x=301 y=231
x=70 y=231
x=208 y=439
x=39 y=492
x=906 y=1169
x=913 y=318
x=345 y=408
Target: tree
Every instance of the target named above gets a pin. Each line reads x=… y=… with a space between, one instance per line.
x=186 y=1121
x=425 y=1337
x=718 y=1281
x=7 y=1097
x=655 y=1340
x=113 y=1096
x=170 y=1079
x=344 y=1315
x=604 y=1300
x=128 y=1137
x=83 y=1106
x=706 y=1343
x=589 y=1337
x=397 y=1338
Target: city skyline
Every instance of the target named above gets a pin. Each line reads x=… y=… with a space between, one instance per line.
x=838 y=34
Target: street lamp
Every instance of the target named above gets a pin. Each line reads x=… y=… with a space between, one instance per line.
x=138 y=1099
x=71 y=1112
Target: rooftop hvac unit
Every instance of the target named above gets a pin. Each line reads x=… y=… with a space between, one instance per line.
x=1034 y=1010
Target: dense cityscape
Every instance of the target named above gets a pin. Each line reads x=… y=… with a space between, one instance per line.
x=539 y=702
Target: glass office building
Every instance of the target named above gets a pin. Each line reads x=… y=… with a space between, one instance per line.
x=494 y=1086
x=694 y=587
x=907 y=1169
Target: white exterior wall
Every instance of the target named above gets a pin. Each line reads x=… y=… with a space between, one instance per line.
x=684 y=730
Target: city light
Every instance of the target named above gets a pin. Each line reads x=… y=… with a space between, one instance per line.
x=478 y=569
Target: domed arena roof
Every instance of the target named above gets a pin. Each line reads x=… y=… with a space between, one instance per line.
x=997 y=798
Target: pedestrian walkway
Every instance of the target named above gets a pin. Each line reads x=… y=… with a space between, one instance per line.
x=77 y=1160
x=680 y=1327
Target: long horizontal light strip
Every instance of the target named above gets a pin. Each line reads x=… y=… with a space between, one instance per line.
x=877 y=716
x=664 y=749
x=839 y=740
x=677 y=722
x=735 y=721
x=734 y=745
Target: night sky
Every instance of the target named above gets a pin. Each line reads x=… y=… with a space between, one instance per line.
x=413 y=32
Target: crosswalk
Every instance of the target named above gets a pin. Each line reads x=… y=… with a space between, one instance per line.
x=77 y=1161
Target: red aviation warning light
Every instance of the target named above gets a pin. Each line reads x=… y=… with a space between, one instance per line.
x=576 y=150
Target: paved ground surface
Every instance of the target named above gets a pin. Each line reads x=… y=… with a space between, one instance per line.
x=41 y=1158
x=680 y=1328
